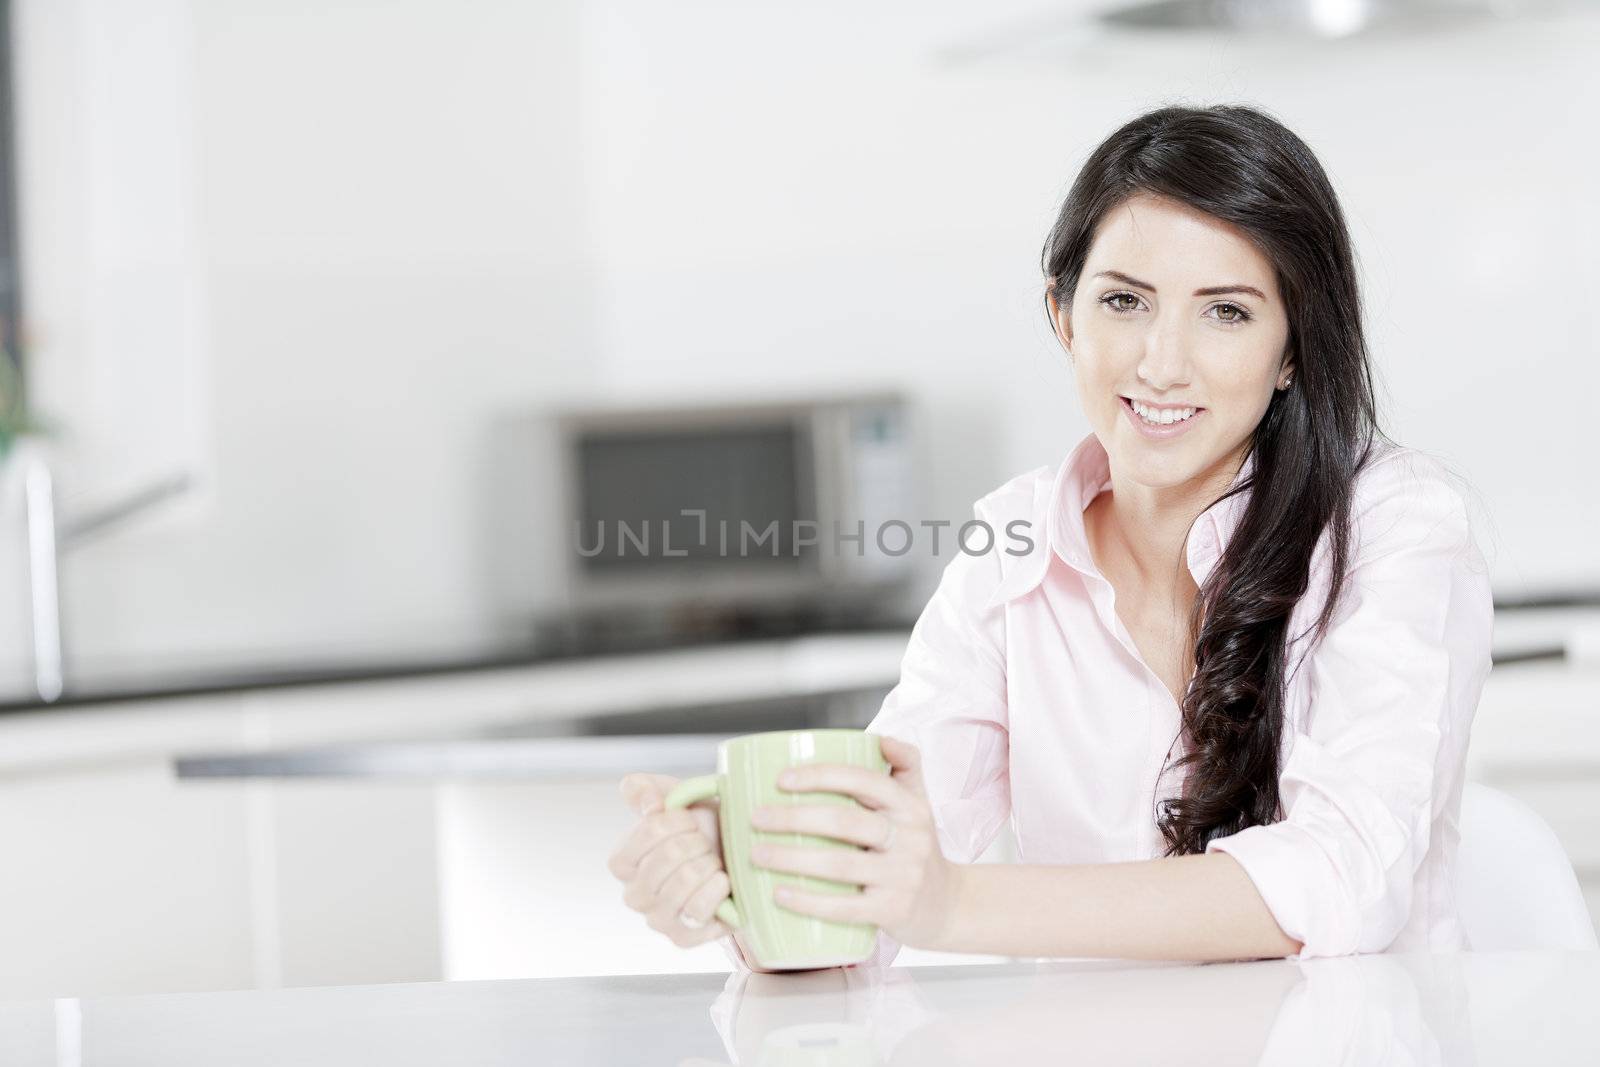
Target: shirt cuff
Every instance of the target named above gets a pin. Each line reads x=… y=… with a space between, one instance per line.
x=1298 y=883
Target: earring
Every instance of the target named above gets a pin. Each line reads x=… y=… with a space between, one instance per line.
x=1287 y=382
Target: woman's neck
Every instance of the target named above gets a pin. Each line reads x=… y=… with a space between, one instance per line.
x=1142 y=533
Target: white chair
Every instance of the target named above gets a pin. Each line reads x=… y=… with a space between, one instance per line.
x=1516 y=885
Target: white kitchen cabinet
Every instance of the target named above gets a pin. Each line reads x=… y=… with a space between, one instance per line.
x=116 y=881
x=344 y=881
x=120 y=879
x=117 y=878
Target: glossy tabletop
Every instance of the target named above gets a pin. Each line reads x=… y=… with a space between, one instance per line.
x=1467 y=1008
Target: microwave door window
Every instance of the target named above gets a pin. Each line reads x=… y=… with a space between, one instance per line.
x=635 y=487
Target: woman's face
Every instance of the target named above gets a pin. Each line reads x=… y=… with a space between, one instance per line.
x=1178 y=309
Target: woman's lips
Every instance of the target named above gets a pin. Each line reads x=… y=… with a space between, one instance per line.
x=1159 y=433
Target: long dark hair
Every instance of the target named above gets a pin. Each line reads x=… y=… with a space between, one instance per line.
x=1244 y=167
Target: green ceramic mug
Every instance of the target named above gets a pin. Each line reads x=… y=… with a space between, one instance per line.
x=746 y=778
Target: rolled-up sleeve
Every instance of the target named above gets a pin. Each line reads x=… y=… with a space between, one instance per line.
x=1397 y=676
x=950 y=702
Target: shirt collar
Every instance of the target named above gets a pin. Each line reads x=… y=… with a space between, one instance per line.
x=1085 y=474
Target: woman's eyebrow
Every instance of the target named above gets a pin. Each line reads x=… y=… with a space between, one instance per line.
x=1213 y=290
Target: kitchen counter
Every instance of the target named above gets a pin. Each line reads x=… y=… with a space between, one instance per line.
x=679 y=740
x=644 y=693
x=1483 y=1008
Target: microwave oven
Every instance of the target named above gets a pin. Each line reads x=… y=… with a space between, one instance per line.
x=761 y=504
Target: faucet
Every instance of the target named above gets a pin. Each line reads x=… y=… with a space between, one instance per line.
x=46 y=542
x=44 y=599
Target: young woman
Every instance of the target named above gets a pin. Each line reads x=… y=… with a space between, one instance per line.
x=1225 y=702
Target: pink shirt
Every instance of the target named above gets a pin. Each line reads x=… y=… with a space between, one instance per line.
x=1030 y=702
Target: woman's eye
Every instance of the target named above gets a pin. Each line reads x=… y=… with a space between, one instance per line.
x=1228 y=314
x=1235 y=314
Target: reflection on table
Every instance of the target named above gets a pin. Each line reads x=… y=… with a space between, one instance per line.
x=1465 y=1008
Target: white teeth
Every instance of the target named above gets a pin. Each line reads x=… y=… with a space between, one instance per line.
x=1162 y=418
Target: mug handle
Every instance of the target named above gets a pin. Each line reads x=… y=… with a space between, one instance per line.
x=691 y=791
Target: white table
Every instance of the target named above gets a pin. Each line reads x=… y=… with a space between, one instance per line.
x=1465 y=1008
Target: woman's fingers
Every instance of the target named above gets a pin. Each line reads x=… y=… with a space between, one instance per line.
x=840 y=907
x=848 y=865
x=904 y=758
x=644 y=792
x=689 y=937
x=649 y=832
x=688 y=916
x=670 y=863
x=661 y=862
x=657 y=866
x=702 y=904
x=666 y=911
x=872 y=788
x=841 y=822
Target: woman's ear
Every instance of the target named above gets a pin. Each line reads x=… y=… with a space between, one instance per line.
x=1286 y=370
x=1060 y=317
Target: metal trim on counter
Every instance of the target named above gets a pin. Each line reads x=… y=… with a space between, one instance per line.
x=535 y=759
x=1552 y=598
x=668 y=740
x=1543 y=653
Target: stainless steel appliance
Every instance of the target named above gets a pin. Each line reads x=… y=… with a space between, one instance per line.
x=694 y=511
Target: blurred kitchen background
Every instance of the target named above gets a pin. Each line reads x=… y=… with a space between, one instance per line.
x=331 y=317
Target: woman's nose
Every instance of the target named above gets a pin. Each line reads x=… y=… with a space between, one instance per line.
x=1165 y=362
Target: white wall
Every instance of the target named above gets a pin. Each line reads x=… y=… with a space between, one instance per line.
x=380 y=225
x=793 y=194
x=385 y=250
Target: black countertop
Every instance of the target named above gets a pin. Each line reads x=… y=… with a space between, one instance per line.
x=568 y=644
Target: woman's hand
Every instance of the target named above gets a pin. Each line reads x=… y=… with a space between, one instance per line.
x=909 y=889
x=670 y=863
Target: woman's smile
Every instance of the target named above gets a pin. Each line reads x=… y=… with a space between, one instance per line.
x=1157 y=431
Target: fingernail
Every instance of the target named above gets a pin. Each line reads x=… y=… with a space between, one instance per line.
x=783 y=894
x=787 y=778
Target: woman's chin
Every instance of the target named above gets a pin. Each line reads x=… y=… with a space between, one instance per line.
x=1158 y=465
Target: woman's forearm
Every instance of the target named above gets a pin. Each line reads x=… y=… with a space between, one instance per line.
x=1201 y=907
